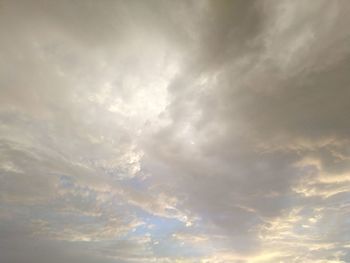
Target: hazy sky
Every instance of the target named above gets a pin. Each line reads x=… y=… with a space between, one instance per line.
x=174 y=131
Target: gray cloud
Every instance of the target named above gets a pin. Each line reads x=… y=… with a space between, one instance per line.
x=211 y=131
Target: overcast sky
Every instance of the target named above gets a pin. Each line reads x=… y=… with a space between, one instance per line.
x=174 y=131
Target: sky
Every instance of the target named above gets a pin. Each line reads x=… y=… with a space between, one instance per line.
x=174 y=131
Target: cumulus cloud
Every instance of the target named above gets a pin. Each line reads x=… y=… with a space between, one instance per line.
x=187 y=131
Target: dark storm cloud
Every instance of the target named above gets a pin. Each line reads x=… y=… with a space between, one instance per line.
x=251 y=119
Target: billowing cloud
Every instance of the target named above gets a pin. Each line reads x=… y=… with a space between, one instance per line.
x=174 y=131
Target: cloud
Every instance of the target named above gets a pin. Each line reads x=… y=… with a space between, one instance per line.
x=211 y=131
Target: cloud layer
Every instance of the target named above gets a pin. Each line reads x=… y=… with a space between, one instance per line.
x=174 y=131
